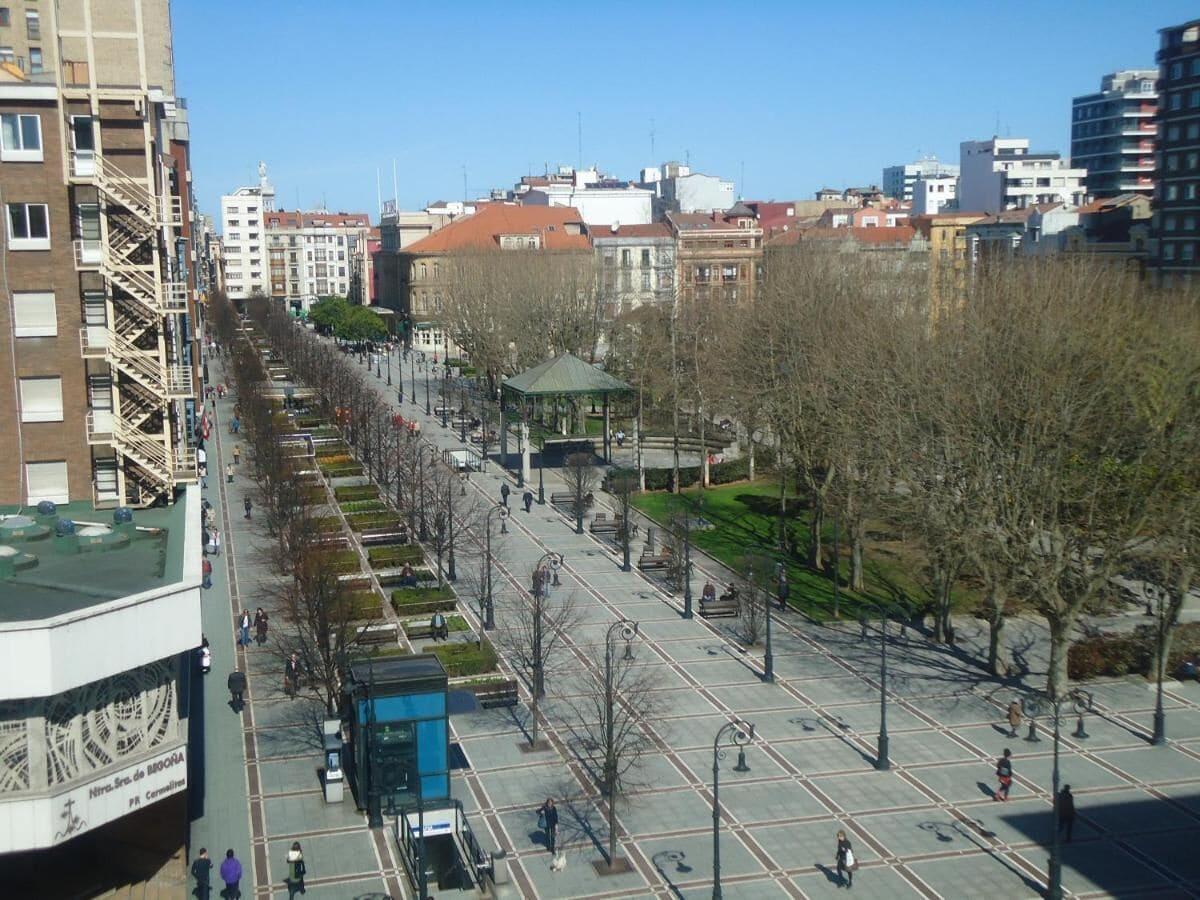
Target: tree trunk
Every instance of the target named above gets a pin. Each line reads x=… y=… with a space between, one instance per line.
x=816 y=521
x=703 y=451
x=533 y=709
x=858 y=581
x=997 y=659
x=610 y=786
x=750 y=460
x=1058 y=679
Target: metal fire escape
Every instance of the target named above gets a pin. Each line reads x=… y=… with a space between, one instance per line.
x=139 y=221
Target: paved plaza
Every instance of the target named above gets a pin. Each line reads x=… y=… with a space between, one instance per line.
x=928 y=827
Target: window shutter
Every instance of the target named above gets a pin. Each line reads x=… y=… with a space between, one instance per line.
x=34 y=314
x=46 y=481
x=41 y=399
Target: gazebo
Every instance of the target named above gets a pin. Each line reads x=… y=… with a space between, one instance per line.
x=565 y=375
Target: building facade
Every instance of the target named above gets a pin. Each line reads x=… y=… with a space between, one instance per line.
x=636 y=266
x=1001 y=173
x=101 y=290
x=1112 y=134
x=1177 y=187
x=934 y=193
x=719 y=255
x=315 y=254
x=899 y=182
x=244 y=238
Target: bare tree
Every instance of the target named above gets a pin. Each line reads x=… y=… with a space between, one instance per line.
x=623 y=483
x=533 y=633
x=581 y=478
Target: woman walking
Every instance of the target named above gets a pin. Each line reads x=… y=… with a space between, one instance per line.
x=846 y=863
x=1014 y=718
x=260 y=625
x=295 y=871
x=548 y=822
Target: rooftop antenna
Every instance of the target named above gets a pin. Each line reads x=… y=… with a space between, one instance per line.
x=579 y=120
x=395 y=186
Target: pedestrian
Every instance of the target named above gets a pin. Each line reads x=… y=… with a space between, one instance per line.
x=620 y=438
x=527 y=499
x=235 y=424
x=1014 y=718
x=237 y=454
x=846 y=863
x=291 y=676
x=236 y=682
x=1066 y=811
x=216 y=542
x=548 y=822
x=231 y=874
x=229 y=473
x=295 y=871
x=1004 y=773
x=438 y=627
x=504 y=494
x=261 y=623
x=244 y=628
x=785 y=590
x=206 y=573
x=205 y=656
x=248 y=506
x=202 y=467
x=202 y=872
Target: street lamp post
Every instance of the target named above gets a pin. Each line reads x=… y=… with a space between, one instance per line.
x=554 y=561
x=451 y=574
x=768 y=656
x=422 y=533
x=412 y=376
x=541 y=477
x=882 y=763
x=1054 y=872
x=445 y=403
x=389 y=357
x=737 y=734
x=687 y=562
x=428 y=406
x=627 y=631
x=1158 y=596
x=462 y=419
x=489 y=614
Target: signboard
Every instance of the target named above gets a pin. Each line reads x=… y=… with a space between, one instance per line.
x=119 y=793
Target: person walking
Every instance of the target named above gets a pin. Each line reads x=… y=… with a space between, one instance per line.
x=291 y=676
x=229 y=473
x=248 y=506
x=527 y=499
x=206 y=573
x=205 y=656
x=261 y=623
x=504 y=494
x=1066 y=811
x=1004 y=773
x=237 y=454
x=236 y=682
x=216 y=542
x=1014 y=718
x=244 y=629
x=231 y=874
x=202 y=872
x=548 y=822
x=295 y=871
x=202 y=467
x=846 y=863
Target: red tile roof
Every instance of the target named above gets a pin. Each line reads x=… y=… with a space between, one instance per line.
x=895 y=234
x=282 y=218
x=483 y=229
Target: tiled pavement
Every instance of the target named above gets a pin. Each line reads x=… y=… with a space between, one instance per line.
x=926 y=828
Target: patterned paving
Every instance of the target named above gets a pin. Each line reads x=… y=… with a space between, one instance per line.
x=928 y=827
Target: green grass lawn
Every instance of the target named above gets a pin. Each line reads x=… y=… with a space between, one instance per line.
x=745 y=516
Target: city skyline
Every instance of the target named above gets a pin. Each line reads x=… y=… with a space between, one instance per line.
x=863 y=107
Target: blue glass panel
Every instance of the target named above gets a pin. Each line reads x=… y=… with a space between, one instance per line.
x=435 y=787
x=431 y=745
x=413 y=706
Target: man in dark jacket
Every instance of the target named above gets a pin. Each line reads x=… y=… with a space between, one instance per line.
x=1066 y=811
x=237 y=687
x=202 y=872
x=504 y=495
x=231 y=874
x=527 y=499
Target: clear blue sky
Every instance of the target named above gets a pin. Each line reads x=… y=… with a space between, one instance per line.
x=803 y=94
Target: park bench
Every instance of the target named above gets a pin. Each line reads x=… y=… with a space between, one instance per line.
x=388 y=535
x=648 y=562
x=490 y=697
x=563 y=498
x=421 y=631
x=725 y=606
x=374 y=635
x=602 y=524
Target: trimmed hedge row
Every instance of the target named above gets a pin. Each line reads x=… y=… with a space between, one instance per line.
x=367 y=605
x=1131 y=653
x=422 y=601
x=396 y=555
x=361 y=521
x=464 y=658
x=362 y=506
x=356 y=492
x=342 y=562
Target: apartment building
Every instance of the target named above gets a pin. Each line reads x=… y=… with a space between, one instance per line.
x=1112 y=134
x=636 y=266
x=97 y=411
x=719 y=255
x=243 y=235
x=1176 y=222
x=934 y=193
x=98 y=251
x=1001 y=173
x=315 y=254
x=900 y=182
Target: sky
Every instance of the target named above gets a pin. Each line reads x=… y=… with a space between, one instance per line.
x=780 y=97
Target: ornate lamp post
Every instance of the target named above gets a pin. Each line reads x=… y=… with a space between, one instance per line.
x=738 y=734
x=626 y=631
x=462 y=420
x=428 y=406
x=554 y=561
x=882 y=763
x=451 y=573
x=412 y=376
x=541 y=478
x=489 y=615
x=1158 y=597
x=389 y=359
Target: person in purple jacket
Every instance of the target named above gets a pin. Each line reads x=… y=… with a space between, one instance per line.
x=231 y=874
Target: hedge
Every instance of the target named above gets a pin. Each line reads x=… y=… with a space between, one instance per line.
x=453 y=623
x=356 y=492
x=333 y=450
x=396 y=555
x=361 y=521
x=341 y=561
x=418 y=573
x=367 y=605
x=361 y=506
x=344 y=470
x=422 y=601
x=464 y=658
x=1130 y=653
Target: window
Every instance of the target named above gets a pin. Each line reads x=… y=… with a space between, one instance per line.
x=1176 y=71
x=28 y=226
x=33 y=312
x=1193 y=130
x=46 y=481
x=645 y=258
x=20 y=138
x=5 y=17
x=35 y=60
x=33 y=25
x=1194 y=99
x=41 y=399
x=1176 y=100
x=1168 y=252
x=1187 y=252
x=645 y=281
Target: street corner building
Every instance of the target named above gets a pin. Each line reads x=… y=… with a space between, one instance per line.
x=99 y=422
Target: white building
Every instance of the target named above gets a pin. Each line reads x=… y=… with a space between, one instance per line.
x=314 y=254
x=933 y=193
x=637 y=266
x=899 y=181
x=677 y=188
x=600 y=200
x=244 y=238
x=1001 y=174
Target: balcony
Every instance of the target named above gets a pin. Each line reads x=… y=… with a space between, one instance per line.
x=83 y=163
x=175 y=297
x=93 y=341
x=100 y=426
x=88 y=253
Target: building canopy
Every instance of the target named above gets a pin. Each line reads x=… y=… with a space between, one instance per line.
x=565 y=374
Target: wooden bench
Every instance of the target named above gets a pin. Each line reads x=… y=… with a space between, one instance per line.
x=725 y=606
x=422 y=631
x=374 y=635
x=602 y=524
x=371 y=536
x=500 y=695
x=649 y=562
x=564 y=499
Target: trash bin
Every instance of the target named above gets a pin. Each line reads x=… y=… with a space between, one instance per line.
x=651 y=537
x=500 y=867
